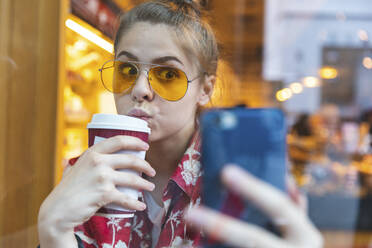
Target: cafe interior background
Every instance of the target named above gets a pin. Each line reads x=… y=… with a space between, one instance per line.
x=311 y=58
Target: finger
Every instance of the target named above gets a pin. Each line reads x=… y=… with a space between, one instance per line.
x=129 y=161
x=120 y=142
x=66 y=170
x=132 y=180
x=270 y=200
x=231 y=231
x=126 y=201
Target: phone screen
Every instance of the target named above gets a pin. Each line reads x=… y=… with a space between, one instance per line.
x=254 y=139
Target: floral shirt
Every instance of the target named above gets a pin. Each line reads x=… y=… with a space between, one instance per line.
x=181 y=193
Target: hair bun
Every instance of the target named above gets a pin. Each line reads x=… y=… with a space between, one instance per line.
x=195 y=5
x=200 y=3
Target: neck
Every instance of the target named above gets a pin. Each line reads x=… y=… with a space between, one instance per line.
x=165 y=154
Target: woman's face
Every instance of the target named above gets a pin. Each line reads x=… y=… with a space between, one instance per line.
x=156 y=44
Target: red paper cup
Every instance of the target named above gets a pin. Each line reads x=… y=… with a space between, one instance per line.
x=103 y=126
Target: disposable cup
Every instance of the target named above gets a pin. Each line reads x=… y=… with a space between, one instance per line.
x=103 y=126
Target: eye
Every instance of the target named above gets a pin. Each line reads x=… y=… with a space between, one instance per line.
x=167 y=73
x=127 y=69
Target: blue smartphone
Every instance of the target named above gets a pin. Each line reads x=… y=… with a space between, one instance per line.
x=254 y=139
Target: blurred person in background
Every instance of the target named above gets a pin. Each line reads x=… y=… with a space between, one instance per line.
x=365 y=144
x=330 y=131
x=302 y=144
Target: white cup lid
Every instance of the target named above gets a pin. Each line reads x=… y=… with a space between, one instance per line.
x=119 y=122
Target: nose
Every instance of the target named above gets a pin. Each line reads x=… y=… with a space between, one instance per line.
x=142 y=90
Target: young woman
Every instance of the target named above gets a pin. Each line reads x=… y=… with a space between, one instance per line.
x=165 y=64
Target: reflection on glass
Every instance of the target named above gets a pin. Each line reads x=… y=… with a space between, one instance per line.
x=321 y=51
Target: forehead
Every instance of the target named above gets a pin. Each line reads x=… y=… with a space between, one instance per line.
x=148 y=41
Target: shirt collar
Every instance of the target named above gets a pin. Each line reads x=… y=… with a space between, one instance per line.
x=188 y=172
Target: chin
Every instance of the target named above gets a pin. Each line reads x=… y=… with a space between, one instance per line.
x=153 y=138
x=156 y=136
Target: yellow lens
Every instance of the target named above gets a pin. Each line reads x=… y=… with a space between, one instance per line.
x=168 y=82
x=118 y=76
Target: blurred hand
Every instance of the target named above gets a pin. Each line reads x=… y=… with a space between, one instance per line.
x=297 y=230
x=91 y=184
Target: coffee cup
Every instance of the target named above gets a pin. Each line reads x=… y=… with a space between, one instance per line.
x=103 y=126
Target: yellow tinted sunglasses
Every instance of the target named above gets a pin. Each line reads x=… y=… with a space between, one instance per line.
x=168 y=82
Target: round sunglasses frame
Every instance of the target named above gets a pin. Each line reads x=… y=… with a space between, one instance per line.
x=135 y=64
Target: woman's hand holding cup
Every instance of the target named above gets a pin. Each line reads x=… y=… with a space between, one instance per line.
x=92 y=184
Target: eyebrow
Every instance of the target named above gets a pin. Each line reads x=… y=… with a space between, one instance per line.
x=164 y=59
x=127 y=54
x=160 y=60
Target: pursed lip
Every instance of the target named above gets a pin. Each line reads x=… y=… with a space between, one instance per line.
x=139 y=113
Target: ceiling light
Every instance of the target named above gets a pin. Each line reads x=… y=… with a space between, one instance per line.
x=89 y=35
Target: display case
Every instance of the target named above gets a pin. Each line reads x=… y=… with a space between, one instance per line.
x=86 y=49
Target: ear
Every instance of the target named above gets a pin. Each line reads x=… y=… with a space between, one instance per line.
x=206 y=90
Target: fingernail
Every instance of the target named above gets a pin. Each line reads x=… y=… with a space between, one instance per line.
x=232 y=172
x=153 y=172
x=142 y=206
x=152 y=187
x=146 y=146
